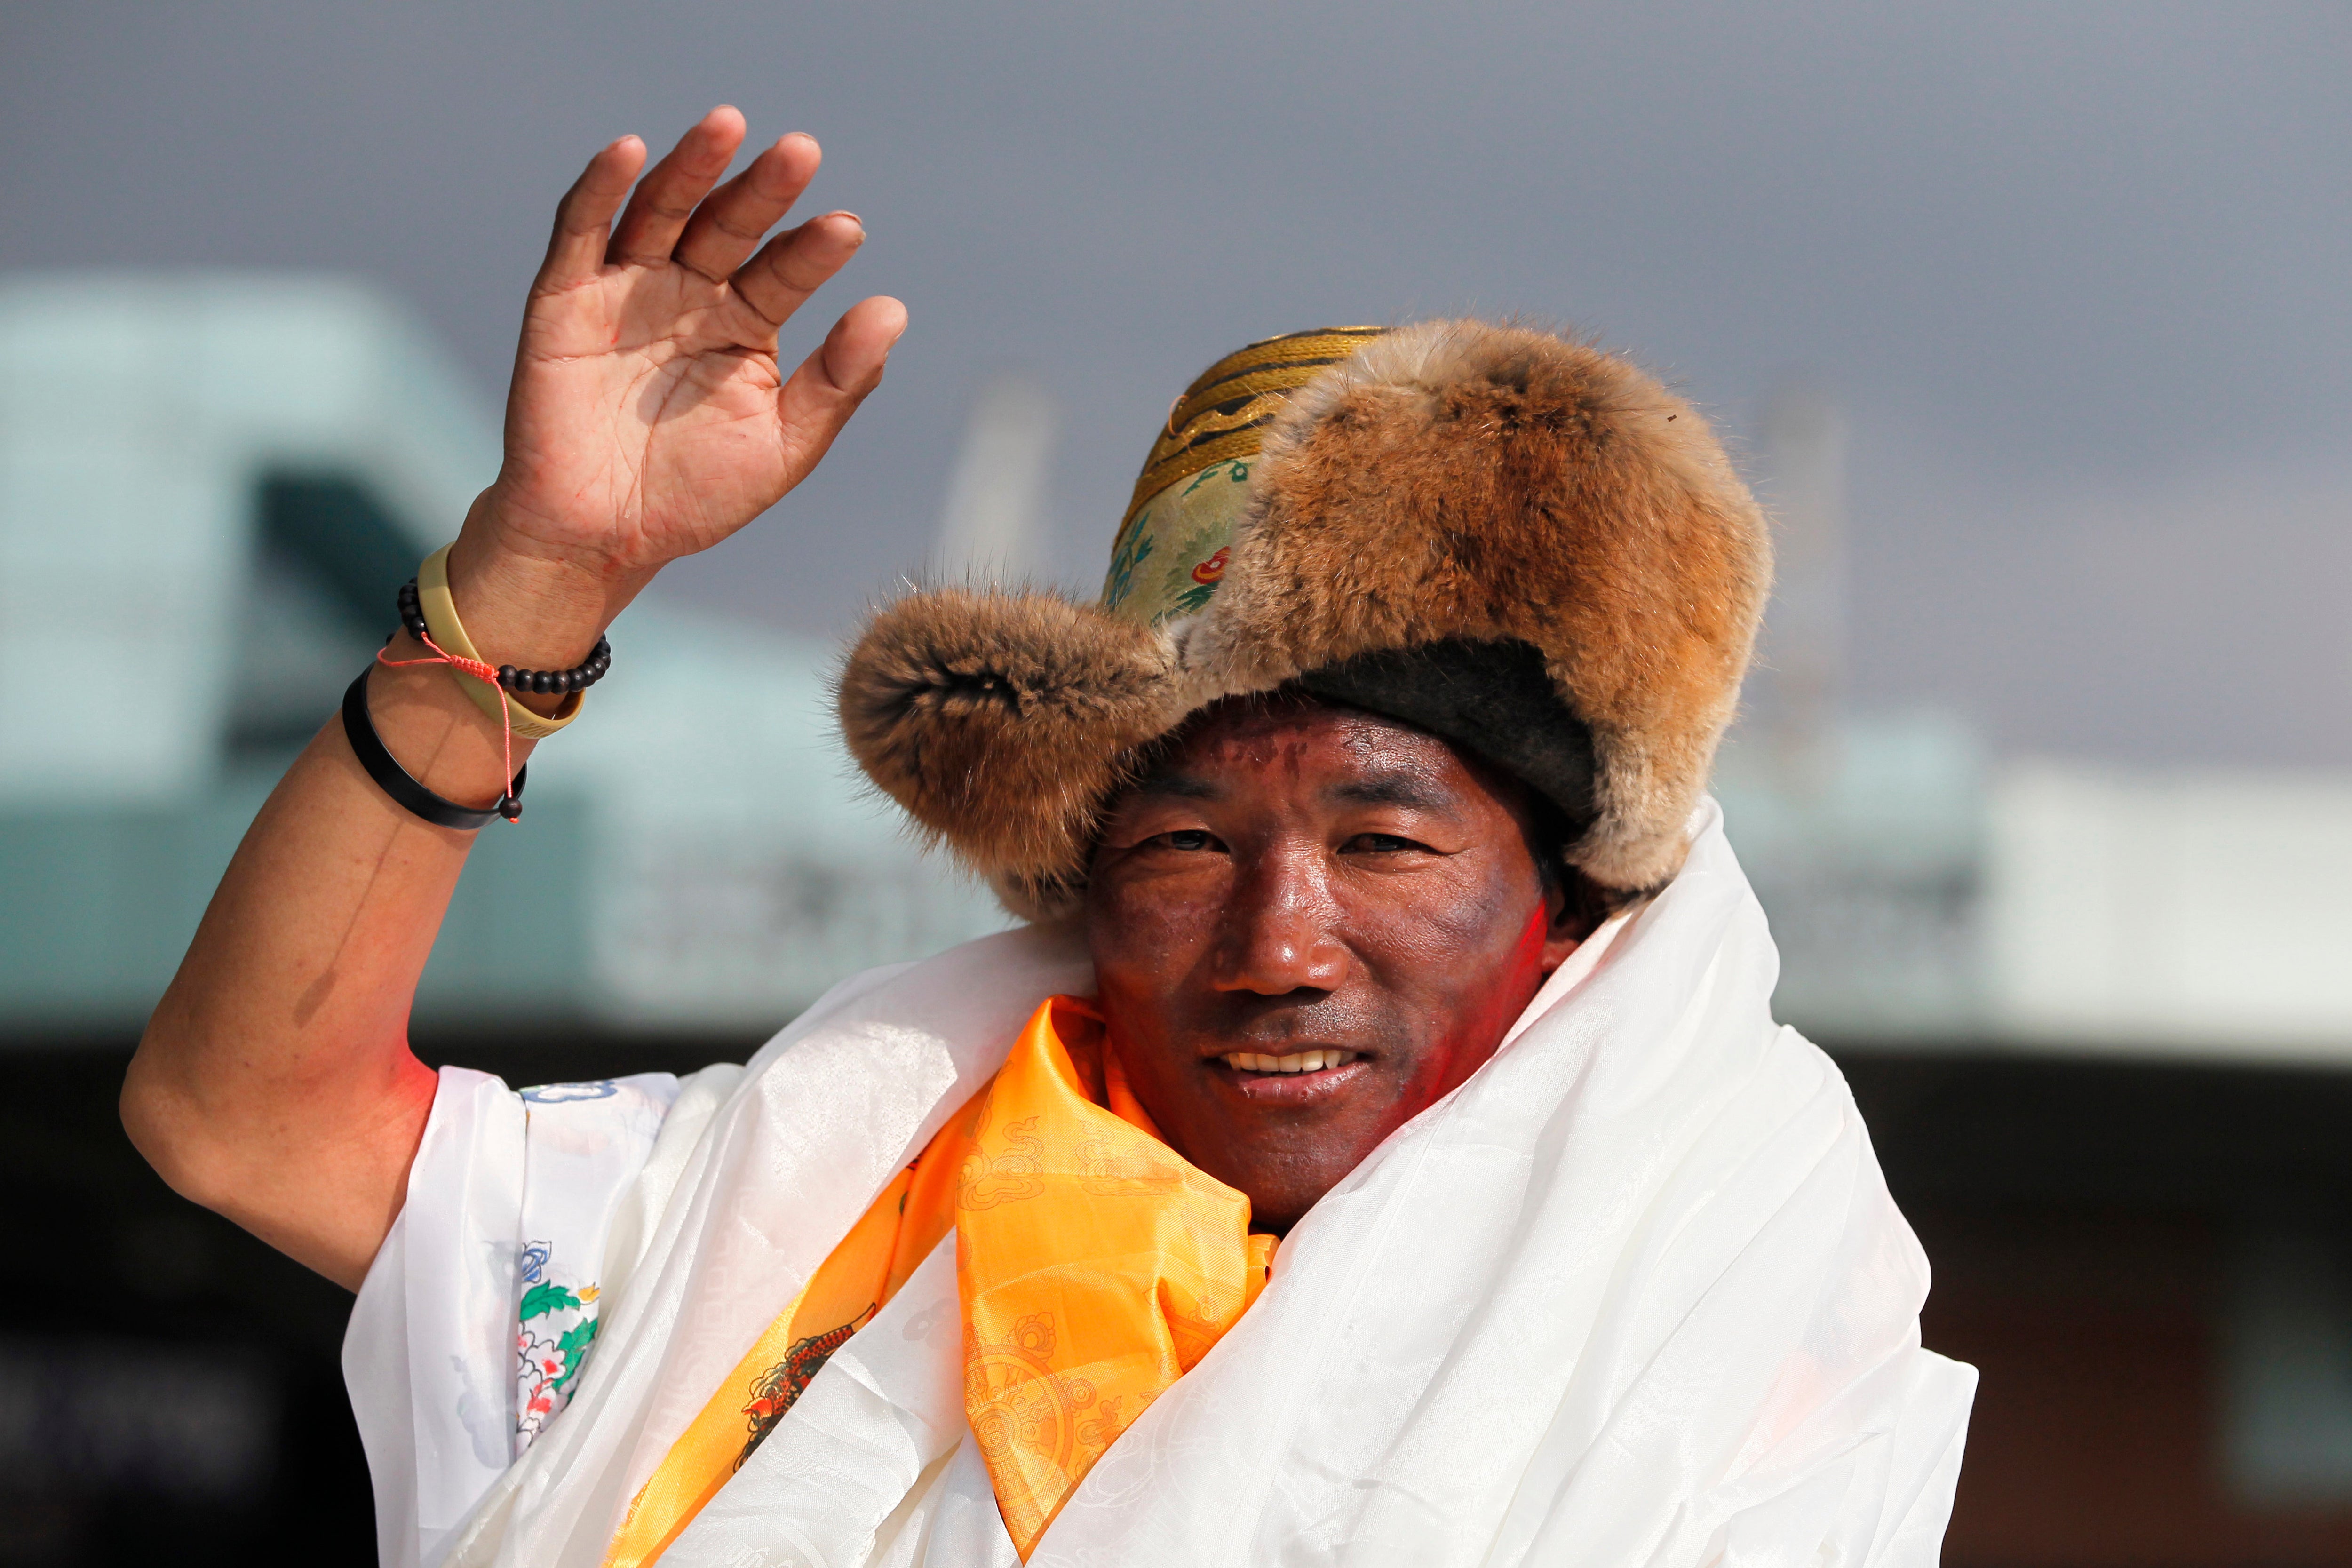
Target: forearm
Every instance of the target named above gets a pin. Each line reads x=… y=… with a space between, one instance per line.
x=275 y=1082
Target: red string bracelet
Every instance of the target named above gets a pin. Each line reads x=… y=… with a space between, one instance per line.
x=510 y=806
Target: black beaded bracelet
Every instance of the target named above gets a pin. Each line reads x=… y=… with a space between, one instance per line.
x=544 y=682
x=359 y=727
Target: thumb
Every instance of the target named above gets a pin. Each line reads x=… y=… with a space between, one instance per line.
x=821 y=395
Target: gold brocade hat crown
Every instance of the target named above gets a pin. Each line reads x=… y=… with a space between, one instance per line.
x=1174 y=541
x=1509 y=539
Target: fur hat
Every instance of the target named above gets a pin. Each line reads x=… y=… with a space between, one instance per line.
x=1512 y=540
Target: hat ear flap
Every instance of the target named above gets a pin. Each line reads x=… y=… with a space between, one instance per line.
x=999 y=720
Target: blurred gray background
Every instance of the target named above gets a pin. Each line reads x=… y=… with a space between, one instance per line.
x=2075 y=273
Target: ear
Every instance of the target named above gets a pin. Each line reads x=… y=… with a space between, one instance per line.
x=1573 y=909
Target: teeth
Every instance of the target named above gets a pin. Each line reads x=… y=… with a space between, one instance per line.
x=1300 y=1061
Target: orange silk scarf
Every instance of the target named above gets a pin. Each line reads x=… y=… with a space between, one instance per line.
x=1095 y=1266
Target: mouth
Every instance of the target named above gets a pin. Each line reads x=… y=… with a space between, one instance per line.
x=1298 y=1061
x=1299 y=1078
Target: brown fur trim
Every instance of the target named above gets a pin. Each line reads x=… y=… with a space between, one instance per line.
x=1451 y=481
x=1458 y=480
x=999 y=720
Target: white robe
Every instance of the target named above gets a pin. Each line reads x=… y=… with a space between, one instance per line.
x=1635 y=1294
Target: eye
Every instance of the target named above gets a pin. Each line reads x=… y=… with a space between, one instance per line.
x=1379 y=844
x=1191 y=839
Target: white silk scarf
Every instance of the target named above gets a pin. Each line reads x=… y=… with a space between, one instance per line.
x=1633 y=1295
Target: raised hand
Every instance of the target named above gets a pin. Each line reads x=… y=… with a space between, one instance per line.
x=648 y=419
x=648 y=416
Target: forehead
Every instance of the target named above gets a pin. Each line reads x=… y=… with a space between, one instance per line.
x=1347 y=753
x=1250 y=725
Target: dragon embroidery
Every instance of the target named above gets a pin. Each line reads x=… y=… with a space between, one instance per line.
x=781 y=1386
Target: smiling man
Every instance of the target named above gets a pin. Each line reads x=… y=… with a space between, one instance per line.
x=1374 y=1145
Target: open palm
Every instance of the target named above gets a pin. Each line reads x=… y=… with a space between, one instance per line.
x=648 y=418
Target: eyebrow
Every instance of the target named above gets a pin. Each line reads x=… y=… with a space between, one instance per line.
x=1405 y=789
x=1177 y=786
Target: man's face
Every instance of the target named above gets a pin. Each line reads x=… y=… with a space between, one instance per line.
x=1297 y=879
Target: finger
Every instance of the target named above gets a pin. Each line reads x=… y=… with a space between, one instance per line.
x=843 y=372
x=582 y=220
x=727 y=226
x=650 y=226
x=795 y=264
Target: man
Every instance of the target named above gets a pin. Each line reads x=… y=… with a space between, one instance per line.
x=1376 y=1146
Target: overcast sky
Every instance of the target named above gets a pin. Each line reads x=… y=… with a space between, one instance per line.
x=2076 y=273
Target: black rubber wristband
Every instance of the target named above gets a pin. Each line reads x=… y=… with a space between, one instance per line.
x=359 y=727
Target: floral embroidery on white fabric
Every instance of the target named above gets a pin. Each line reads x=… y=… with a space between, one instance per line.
x=555 y=1326
x=512 y=1189
x=578 y=1139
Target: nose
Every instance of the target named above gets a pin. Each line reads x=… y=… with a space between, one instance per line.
x=1278 y=931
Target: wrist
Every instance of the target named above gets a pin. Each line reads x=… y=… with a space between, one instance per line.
x=527 y=604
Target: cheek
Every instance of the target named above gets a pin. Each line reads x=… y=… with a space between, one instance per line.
x=1468 y=962
x=1460 y=934
x=1146 y=933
